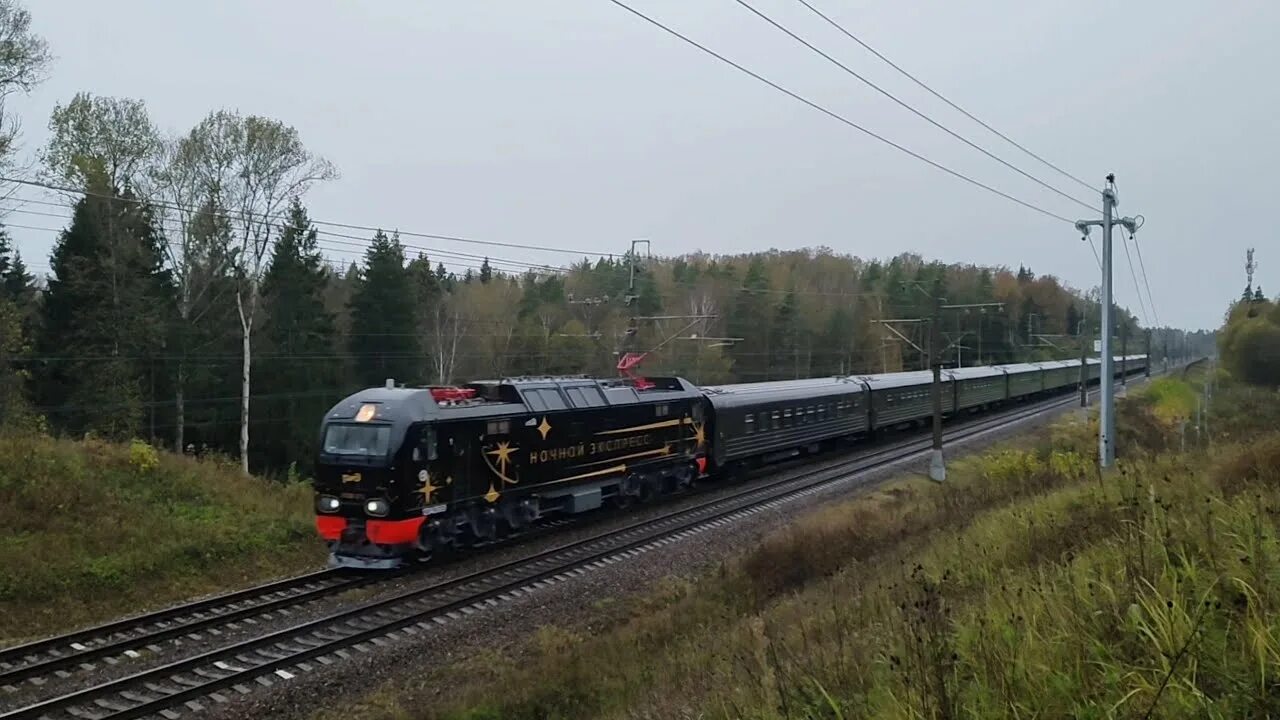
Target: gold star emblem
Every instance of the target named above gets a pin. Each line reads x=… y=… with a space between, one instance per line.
x=428 y=487
x=503 y=455
x=545 y=427
x=493 y=495
x=699 y=434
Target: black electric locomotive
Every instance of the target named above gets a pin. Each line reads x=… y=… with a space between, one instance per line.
x=404 y=471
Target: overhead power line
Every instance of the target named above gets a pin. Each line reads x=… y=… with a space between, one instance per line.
x=1150 y=298
x=836 y=116
x=939 y=95
x=1127 y=237
x=363 y=243
x=281 y=220
x=465 y=263
x=1133 y=274
x=912 y=109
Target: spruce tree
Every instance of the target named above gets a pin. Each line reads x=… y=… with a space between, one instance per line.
x=16 y=283
x=784 y=346
x=750 y=321
x=206 y=337
x=296 y=367
x=383 y=341
x=103 y=319
x=835 y=348
x=17 y=294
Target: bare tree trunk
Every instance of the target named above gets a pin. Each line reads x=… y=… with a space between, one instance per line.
x=180 y=391
x=246 y=327
x=179 y=406
x=244 y=401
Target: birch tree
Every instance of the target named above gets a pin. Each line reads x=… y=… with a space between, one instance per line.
x=448 y=326
x=258 y=166
x=24 y=59
x=198 y=250
x=105 y=143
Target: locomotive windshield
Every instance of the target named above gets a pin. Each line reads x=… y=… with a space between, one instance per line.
x=370 y=440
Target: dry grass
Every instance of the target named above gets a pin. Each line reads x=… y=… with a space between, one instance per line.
x=93 y=530
x=1028 y=586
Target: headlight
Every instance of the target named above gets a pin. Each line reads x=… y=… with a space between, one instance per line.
x=327 y=503
x=377 y=507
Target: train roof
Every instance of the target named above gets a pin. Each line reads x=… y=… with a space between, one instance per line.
x=975 y=372
x=762 y=392
x=508 y=396
x=884 y=381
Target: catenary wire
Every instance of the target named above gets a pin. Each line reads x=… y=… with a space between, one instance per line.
x=939 y=95
x=1155 y=315
x=911 y=108
x=836 y=116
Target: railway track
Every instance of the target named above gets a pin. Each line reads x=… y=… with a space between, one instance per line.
x=215 y=676
x=80 y=649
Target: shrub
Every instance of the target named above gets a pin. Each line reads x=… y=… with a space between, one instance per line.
x=142 y=457
x=1243 y=465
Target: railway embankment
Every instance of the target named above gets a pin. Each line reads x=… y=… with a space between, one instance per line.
x=1029 y=583
x=95 y=530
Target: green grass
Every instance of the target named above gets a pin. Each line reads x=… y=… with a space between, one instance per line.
x=1028 y=586
x=93 y=530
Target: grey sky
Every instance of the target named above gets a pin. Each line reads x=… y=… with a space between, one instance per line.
x=572 y=123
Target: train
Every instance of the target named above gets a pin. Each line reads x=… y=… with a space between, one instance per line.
x=405 y=472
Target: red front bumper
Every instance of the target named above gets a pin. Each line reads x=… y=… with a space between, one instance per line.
x=393 y=532
x=330 y=527
x=381 y=532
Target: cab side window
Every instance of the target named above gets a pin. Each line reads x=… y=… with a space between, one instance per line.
x=426 y=449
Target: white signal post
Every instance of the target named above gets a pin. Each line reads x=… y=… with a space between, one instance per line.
x=1107 y=426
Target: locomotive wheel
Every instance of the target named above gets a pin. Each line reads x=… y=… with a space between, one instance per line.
x=483 y=524
x=650 y=488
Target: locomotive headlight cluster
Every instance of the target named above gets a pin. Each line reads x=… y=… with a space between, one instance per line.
x=377 y=507
x=327 y=504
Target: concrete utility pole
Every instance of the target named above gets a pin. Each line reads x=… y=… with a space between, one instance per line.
x=937 y=467
x=1107 y=426
x=1084 y=365
x=934 y=352
x=1124 y=353
x=1147 y=372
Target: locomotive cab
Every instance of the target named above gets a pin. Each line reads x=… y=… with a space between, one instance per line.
x=372 y=446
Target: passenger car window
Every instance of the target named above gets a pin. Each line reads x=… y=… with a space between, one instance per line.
x=750 y=424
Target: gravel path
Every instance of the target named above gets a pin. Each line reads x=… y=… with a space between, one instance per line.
x=499 y=628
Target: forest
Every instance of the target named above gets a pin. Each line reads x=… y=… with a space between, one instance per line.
x=191 y=300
